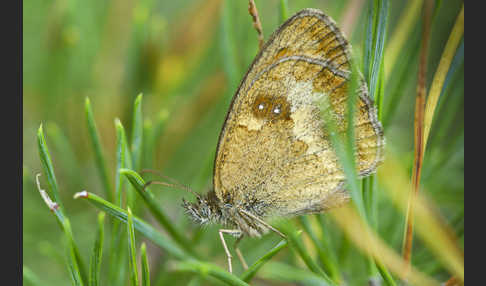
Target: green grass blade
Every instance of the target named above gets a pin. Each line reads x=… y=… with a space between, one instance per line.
x=46 y=162
x=327 y=261
x=56 y=206
x=132 y=249
x=253 y=269
x=121 y=160
x=379 y=20
x=73 y=267
x=277 y=271
x=205 y=269
x=137 y=182
x=385 y=274
x=284 y=10
x=118 y=254
x=145 y=266
x=95 y=262
x=30 y=277
x=98 y=150
x=344 y=146
x=297 y=245
x=143 y=227
x=137 y=134
x=53 y=206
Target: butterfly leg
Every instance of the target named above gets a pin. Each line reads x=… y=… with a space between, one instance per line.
x=238 y=252
x=262 y=222
x=228 y=254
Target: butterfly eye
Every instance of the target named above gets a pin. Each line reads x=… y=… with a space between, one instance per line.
x=277 y=110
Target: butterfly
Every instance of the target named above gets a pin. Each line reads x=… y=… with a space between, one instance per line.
x=274 y=157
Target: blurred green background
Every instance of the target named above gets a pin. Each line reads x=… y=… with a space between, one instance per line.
x=187 y=58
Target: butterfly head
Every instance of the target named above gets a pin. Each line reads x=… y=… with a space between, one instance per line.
x=205 y=210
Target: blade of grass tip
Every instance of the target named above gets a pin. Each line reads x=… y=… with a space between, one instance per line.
x=99 y=154
x=253 y=269
x=441 y=72
x=145 y=266
x=284 y=10
x=120 y=160
x=419 y=132
x=48 y=168
x=127 y=163
x=138 y=184
x=137 y=133
x=95 y=262
x=205 y=269
x=140 y=225
x=71 y=256
x=132 y=249
x=329 y=265
x=296 y=245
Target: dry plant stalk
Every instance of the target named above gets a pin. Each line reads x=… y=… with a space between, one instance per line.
x=418 y=131
x=256 y=22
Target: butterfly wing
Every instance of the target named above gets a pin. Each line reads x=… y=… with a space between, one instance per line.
x=273 y=156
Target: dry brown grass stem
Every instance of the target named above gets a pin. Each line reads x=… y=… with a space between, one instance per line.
x=256 y=22
x=418 y=131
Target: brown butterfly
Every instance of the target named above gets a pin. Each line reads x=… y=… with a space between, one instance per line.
x=274 y=158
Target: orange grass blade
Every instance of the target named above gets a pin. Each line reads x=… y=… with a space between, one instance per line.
x=418 y=136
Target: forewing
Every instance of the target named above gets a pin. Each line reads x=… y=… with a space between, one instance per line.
x=273 y=154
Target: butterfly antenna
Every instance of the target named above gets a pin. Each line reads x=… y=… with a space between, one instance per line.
x=173 y=183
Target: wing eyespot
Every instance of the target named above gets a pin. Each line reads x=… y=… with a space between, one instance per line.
x=269 y=107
